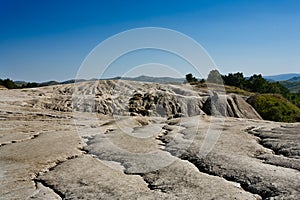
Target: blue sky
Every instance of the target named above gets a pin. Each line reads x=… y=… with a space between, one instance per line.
x=48 y=40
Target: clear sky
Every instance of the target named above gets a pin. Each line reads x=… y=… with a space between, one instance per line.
x=49 y=39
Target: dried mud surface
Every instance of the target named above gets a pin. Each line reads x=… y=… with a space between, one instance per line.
x=49 y=152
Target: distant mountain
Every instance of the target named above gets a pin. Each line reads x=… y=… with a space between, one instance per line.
x=293 y=84
x=281 y=77
x=295 y=79
x=153 y=79
x=139 y=78
x=49 y=83
x=20 y=83
x=74 y=80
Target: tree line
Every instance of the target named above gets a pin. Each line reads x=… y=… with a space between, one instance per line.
x=256 y=84
x=10 y=84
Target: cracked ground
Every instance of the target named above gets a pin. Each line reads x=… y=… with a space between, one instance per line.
x=46 y=154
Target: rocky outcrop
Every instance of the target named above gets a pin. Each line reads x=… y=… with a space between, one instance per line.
x=119 y=97
x=229 y=106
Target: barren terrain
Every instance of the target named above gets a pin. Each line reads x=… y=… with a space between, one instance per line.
x=133 y=140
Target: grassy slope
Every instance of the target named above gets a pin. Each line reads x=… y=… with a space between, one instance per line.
x=275 y=108
x=272 y=107
x=228 y=89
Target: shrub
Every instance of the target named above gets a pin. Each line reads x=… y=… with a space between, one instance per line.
x=275 y=108
x=190 y=78
x=9 y=84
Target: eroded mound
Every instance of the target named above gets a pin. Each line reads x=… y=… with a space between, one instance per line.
x=121 y=97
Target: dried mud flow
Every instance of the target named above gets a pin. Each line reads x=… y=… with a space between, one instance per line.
x=134 y=140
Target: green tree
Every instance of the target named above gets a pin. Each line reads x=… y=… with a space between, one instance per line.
x=202 y=80
x=276 y=87
x=257 y=83
x=190 y=78
x=236 y=79
x=9 y=84
x=31 y=85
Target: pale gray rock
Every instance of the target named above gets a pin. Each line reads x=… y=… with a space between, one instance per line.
x=101 y=152
x=121 y=97
x=229 y=106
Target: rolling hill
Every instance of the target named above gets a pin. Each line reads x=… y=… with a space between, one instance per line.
x=282 y=77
